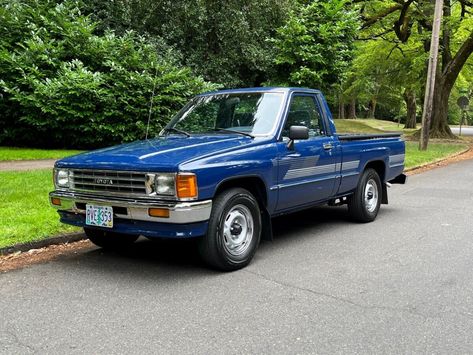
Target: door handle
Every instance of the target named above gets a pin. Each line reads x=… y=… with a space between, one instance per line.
x=328 y=146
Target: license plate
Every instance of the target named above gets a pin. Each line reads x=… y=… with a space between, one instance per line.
x=101 y=216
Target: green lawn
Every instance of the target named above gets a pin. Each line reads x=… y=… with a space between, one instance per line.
x=435 y=151
x=25 y=211
x=7 y=153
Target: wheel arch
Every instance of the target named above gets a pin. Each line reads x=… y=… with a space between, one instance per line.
x=252 y=183
x=380 y=167
x=257 y=187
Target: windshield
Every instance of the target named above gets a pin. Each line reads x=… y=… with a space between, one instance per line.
x=251 y=113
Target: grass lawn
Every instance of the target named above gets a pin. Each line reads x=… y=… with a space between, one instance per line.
x=25 y=211
x=7 y=153
x=435 y=151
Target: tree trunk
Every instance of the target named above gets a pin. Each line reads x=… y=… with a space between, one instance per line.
x=411 y=103
x=452 y=66
x=439 y=127
x=341 y=109
x=352 y=109
x=372 y=107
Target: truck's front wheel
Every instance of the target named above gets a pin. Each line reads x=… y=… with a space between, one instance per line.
x=234 y=230
x=109 y=240
x=364 y=204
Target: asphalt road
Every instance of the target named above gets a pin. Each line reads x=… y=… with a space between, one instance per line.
x=466 y=130
x=403 y=284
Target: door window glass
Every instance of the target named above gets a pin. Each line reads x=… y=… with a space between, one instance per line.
x=304 y=111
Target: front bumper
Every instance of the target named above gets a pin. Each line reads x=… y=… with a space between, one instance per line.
x=134 y=209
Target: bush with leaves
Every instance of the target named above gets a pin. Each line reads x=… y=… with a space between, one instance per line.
x=63 y=85
x=314 y=48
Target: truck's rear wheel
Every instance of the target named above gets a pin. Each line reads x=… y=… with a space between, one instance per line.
x=364 y=204
x=234 y=230
x=109 y=240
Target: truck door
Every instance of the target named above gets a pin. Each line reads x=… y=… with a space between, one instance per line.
x=308 y=172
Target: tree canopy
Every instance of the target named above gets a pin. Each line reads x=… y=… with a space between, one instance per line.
x=85 y=73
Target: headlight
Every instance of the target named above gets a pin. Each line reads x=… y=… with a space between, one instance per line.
x=61 y=178
x=182 y=185
x=165 y=184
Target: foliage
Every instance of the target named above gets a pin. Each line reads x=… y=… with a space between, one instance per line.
x=315 y=46
x=407 y=25
x=382 y=71
x=63 y=85
x=224 y=41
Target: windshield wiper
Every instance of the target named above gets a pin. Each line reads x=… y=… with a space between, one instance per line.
x=172 y=129
x=219 y=129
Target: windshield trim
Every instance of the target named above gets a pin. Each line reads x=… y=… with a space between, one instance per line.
x=277 y=120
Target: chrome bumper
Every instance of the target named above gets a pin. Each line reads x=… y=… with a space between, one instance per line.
x=179 y=212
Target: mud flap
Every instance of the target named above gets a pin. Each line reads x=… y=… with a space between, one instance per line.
x=384 y=199
x=267 y=230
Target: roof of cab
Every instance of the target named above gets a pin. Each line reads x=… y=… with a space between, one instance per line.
x=262 y=89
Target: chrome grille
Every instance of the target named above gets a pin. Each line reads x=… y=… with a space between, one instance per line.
x=108 y=181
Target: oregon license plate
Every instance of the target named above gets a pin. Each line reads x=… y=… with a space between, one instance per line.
x=101 y=216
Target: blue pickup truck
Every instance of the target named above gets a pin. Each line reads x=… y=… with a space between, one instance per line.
x=226 y=164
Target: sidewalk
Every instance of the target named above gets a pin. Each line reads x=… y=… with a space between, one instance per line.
x=17 y=165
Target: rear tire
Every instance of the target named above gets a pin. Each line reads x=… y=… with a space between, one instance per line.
x=234 y=231
x=364 y=204
x=109 y=240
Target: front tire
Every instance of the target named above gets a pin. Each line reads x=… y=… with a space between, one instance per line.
x=234 y=231
x=109 y=240
x=364 y=204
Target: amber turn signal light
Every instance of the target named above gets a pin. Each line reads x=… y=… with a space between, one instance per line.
x=186 y=186
x=158 y=212
x=56 y=201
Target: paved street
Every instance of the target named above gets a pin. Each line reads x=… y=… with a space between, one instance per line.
x=466 y=130
x=403 y=284
x=18 y=165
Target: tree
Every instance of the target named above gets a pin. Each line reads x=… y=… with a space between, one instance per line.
x=315 y=46
x=224 y=41
x=385 y=74
x=406 y=17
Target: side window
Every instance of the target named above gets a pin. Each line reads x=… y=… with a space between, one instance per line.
x=304 y=111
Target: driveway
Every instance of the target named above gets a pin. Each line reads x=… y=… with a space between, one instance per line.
x=403 y=284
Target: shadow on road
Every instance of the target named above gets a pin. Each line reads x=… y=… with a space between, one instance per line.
x=163 y=258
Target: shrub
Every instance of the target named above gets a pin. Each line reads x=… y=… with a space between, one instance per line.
x=61 y=85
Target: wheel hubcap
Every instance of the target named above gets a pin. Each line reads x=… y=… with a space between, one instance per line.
x=238 y=229
x=371 y=195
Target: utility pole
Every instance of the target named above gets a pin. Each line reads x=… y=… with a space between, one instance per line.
x=431 y=75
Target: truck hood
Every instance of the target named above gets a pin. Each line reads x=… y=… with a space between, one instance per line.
x=162 y=153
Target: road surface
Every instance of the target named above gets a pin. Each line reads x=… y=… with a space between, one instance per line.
x=19 y=165
x=403 y=284
x=466 y=130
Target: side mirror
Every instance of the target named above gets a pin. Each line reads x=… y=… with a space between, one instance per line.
x=297 y=132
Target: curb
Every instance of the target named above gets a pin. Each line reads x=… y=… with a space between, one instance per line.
x=435 y=162
x=61 y=239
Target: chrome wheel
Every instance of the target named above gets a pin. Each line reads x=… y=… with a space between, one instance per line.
x=371 y=195
x=238 y=230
